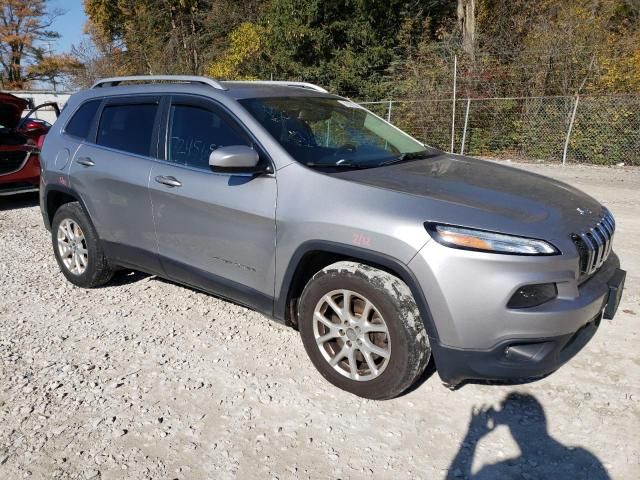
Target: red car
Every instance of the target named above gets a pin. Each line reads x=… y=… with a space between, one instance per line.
x=20 y=141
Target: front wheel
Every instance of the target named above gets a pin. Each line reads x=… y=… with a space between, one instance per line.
x=362 y=330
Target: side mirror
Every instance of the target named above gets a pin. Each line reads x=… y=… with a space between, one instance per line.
x=234 y=158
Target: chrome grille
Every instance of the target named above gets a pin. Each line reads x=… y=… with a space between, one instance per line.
x=594 y=244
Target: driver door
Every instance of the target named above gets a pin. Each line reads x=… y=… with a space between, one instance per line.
x=215 y=231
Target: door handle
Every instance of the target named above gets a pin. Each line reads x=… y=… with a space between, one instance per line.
x=86 y=161
x=168 y=181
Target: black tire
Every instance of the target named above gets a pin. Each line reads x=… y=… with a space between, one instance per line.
x=407 y=338
x=97 y=271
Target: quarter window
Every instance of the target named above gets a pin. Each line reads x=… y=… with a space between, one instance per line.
x=127 y=127
x=195 y=132
x=81 y=122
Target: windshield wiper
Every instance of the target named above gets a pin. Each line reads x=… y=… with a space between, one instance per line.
x=405 y=157
x=338 y=165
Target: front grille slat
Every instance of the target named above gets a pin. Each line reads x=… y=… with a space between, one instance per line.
x=591 y=251
x=594 y=244
x=607 y=247
x=606 y=223
x=595 y=232
x=607 y=240
x=607 y=227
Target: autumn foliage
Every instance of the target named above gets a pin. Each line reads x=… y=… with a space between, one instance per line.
x=24 y=53
x=371 y=49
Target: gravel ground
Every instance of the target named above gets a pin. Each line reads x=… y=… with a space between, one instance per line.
x=147 y=379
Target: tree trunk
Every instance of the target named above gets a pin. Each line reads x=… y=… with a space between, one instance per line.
x=194 y=42
x=15 y=71
x=467 y=22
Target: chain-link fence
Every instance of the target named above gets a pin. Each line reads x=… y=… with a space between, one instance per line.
x=601 y=130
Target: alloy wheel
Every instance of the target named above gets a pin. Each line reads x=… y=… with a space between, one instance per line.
x=72 y=247
x=352 y=335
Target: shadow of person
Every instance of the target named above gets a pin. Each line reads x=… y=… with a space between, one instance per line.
x=541 y=456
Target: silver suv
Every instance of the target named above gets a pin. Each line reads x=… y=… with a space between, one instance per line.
x=306 y=207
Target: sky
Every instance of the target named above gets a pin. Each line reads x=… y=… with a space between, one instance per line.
x=70 y=25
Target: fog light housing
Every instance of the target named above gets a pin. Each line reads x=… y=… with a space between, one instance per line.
x=533 y=295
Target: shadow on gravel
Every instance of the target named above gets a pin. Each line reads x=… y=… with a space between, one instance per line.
x=541 y=456
x=23 y=200
x=126 y=277
x=204 y=292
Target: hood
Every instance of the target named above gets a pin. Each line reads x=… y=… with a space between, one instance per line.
x=11 y=108
x=483 y=194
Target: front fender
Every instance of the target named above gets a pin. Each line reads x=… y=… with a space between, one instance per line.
x=369 y=257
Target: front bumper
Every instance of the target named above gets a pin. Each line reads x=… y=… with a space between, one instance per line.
x=512 y=360
x=478 y=337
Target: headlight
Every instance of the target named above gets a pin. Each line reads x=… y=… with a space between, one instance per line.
x=480 y=240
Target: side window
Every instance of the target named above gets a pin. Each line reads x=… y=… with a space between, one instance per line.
x=127 y=127
x=194 y=132
x=81 y=122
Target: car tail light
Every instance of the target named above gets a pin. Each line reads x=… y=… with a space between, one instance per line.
x=40 y=142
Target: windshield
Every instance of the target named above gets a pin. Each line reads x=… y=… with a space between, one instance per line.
x=330 y=132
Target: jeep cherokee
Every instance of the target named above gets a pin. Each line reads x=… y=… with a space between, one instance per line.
x=306 y=207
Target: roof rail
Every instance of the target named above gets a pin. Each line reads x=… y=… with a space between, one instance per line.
x=308 y=85
x=114 y=81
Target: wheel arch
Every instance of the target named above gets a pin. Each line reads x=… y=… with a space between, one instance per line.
x=55 y=196
x=312 y=256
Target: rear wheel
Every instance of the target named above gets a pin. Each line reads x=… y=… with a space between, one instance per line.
x=362 y=330
x=77 y=248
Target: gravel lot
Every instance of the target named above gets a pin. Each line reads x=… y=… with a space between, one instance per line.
x=147 y=379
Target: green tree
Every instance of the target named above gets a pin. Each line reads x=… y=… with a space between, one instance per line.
x=157 y=35
x=375 y=49
x=350 y=46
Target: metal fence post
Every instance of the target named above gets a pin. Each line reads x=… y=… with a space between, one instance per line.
x=466 y=122
x=453 y=110
x=389 y=111
x=573 y=118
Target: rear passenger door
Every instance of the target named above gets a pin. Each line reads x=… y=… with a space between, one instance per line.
x=110 y=172
x=215 y=231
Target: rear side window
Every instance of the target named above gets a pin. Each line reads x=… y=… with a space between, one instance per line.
x=127 y=127
x=81 y=122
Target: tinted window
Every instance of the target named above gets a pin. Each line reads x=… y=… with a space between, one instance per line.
x=81 y=122
x=194 y=132
x=127 y=127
